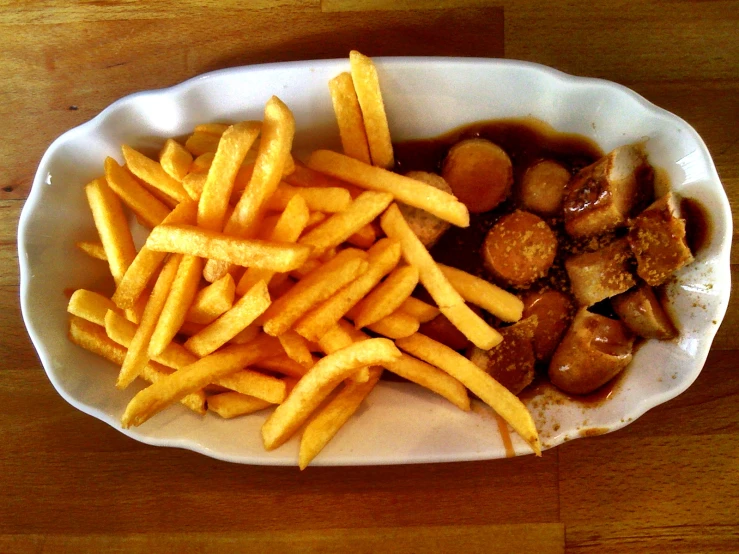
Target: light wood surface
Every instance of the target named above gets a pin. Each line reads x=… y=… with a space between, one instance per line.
x=667 y=482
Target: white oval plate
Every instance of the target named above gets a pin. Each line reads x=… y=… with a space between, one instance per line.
x=399 y=423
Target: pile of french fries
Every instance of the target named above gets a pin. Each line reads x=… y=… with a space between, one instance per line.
x=260 y=273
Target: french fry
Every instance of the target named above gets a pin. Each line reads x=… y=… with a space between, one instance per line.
x=324 y=425
x=349 y=117
x=138 y=355
x=305 y=177
x=146 y=262
x=90 y=306
x=316 y=287
x=92 y=337
x=502 y=304
x=112 y=227
x=278 y=130
x=397 y=325
x=200 y=143
x=382 y=258
x=296 y=348
x=318 y=383
x=232 y=148
x=233 y=404
x=410 y=191
x=186 y=239
x=387 y=296
x=175 y=159
x=367 y=85
x=450 y=302
x=212 y=301
x=202 y=163
x=247 y=334
x=216 y=129
x=194 y=183
x=287 y=229
x=152 y=172
x=122 y=331
x=194 y=377
x=239 y=317
x=326 y=199
x=339 y=227
x=334 y=340
x=305 y=269
x=364 y=238
x=495 y=395
x=253 y=383
x=283 y=365
x=190 y=329
x=93 y=249
x=314 y=219
x=181 y=294
x=419 y=309
x=147 y=208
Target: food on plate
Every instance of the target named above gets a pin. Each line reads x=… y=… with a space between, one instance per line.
x=601 y=197
x=657 y=238
x=428 y=227
x=479 y=172
x=542 y=187
x=593 y=351
x=519 y=249
x=260 y=271
x=641 y=311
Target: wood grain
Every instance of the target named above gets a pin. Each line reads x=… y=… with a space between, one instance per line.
x=667 y=482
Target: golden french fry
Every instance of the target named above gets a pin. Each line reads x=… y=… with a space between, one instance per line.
x=200 y=143
x=90 y=306
x=318 y=383
x=296 y=348
x=495 y=395
x=367 y=86
x=186 y=239
x=287 y=229
x=313 y=289
x=314 y=219
x=92 y=337
x=112 y=227
x=233 y=404
x=409 y=191
x=305 y=269
x=397 y=325
x=189 y=328
x=181 y=294
x=364 y=238
x=216 y=129
x=334 y=340
x=194 y=183
x=387 y=296
x=146 y=262
x=382 y=258
x=93 y=249
x=419 y=309
x=194 y=377
x=450 y=302
x=324 y=425
x=175 y=159
x=339 y=227
x=255 y=384
x=502 y=304
x=147 y=208
x=212 y=301
x=152 y=172
x=239 y=317
x=232 y=148
x=138 y=355
x=305 y=177
x=349 y=117
x=278 y=130
x=284 y=365
x=247 y=335
x=202 y=163
x=122 y=331
x=325 y=199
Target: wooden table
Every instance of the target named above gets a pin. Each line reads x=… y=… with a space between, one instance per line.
x=669 y=481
